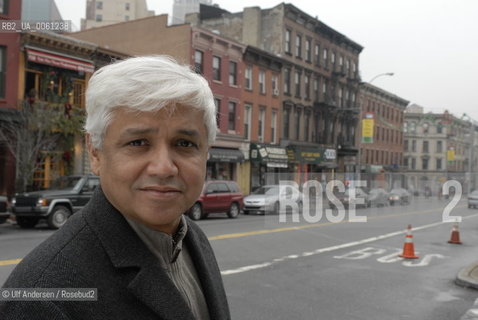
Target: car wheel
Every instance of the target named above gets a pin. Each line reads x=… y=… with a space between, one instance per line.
x=27 y=223
x=233 y=211
x=196 y=212
x=58 y=217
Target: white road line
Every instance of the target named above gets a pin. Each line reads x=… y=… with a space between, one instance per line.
x=333 y=248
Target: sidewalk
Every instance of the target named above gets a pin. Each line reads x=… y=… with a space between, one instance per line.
x=468 y=277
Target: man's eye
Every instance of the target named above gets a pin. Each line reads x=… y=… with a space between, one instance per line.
x=138 y=143
x=186 y=144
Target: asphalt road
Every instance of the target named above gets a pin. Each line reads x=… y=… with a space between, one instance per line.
x=324 y=270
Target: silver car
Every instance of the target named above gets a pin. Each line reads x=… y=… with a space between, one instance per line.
x=473 y=199
x=268 y=198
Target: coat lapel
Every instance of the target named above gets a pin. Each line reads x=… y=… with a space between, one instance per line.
x=151 y=285
x=208 y=272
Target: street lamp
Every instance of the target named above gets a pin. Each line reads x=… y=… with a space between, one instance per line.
x=381 y=74
x=471 y=134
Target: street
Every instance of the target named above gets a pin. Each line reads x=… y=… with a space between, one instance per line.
x=324 y=270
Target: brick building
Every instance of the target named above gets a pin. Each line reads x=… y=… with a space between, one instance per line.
x=319 y=82
x=381 y=157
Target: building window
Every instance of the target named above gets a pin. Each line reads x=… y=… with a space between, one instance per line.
x=439 y=128
x=297 y=83
x=298 y=46
x=439 y=164
x=247 y=121
x=248 y=78
x=4 y=7
x=425 y=127
x=262 y=82
x=3 y=60
x=262 y=119
x=306 y=126
x=199 y=61
x=232 y=116
x=99 y=5
x=405 y=146
x=340 y=94
x=287 y=41
x=316 y=89
x=287 y=81
x=275 y=85
x=297 y=124
x=286 y=121
x=326 y=63
x=307 y=86
x=405 y=162
x=439 y=146
x=308 y=50
x=414 y=145
x=217 y=102
x=273 y=126
x=414 y=163
x=317 y=54
x=232 y=73
x=332 y=59
x=99 y=18
x=126 y=6
x=216 y=68
x=425 y=147
x=424 y=164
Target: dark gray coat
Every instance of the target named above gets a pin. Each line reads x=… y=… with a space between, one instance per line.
x=97 y=248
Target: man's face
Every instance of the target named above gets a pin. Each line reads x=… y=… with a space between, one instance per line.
x=152 y=165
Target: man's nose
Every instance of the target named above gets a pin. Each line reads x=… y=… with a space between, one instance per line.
x=162 y=164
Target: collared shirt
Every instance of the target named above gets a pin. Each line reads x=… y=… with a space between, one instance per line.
x=176 y=261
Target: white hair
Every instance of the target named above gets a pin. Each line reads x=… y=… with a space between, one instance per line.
x=147 y=83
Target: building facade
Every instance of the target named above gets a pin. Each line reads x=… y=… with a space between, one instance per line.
x=182 y=7
x=105 y=12
x=319 y=85
x=381 y=149
x=9 y=94
x=439 y=147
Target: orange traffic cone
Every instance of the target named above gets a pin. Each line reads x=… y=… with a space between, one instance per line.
x=408 y=249
x=455 y=235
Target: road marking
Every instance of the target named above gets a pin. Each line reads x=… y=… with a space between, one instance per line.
x=313 y=225
x=9 y=262
x=338 y=247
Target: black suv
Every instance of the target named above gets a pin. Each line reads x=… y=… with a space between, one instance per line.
x=4 y=214
x=67 y=195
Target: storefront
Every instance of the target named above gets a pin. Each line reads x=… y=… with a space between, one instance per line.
x=269 y=164
x=222 y=163
x=312 y=163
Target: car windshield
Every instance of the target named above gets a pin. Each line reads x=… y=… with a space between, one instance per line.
x=397 y=191
x=269 y=190
x=68 y=183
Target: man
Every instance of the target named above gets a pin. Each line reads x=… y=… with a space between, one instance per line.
x=149 y=125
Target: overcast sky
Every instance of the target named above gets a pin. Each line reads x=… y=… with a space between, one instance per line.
x=430 y=45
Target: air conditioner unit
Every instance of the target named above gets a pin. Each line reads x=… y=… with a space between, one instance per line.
x=275 y=92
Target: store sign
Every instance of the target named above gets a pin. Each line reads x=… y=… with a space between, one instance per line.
x=368 y=124
x=330 y=154
x=317 y=155
x=59 y=61
x=268 y=154
x=451 y=154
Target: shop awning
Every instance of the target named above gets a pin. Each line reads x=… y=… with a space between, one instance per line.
x=225 y=155
x=59 y=60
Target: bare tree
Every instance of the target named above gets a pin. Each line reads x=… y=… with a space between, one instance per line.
x=33 y=130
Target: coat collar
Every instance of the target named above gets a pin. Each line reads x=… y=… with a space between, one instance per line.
x=150 y=284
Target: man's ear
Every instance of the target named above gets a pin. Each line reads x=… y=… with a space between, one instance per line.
x=93 y=154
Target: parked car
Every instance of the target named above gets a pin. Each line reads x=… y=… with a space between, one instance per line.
x=266 y=199
x=473 y=199
x=67 y=195
x=218 y=196
x=360 y=198
x=399 y=196
x=378 y=197
x=4 y=212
